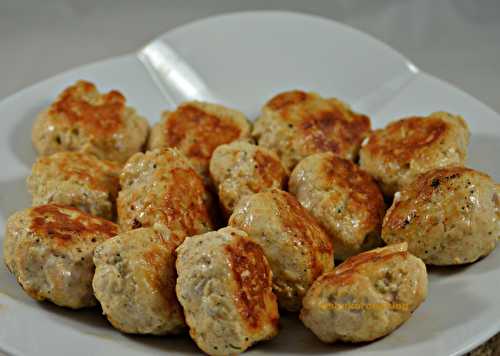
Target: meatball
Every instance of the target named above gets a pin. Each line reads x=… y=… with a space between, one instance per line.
x=297 y=248
x=343 y=198
x=405 y=148
x=82 y=119
x=366 y=297
x=241 y=168
x=49 y=250
x=196 y=129
x=76 y=179
x=224 y=286
x=160 y=186
x=296 y=124
x=447 y=216
x=135 y=281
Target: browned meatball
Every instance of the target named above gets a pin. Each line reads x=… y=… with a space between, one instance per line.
x=447 y=216
x=366 y=297
x=224 y=286
x=135 y=281
x=49 y=249
x=84 y=120
x=344 y=199
x=196 y=129
x=240 y=168
x=297 y=248
x=296 y=124
x=160 y=186
x=405 y=148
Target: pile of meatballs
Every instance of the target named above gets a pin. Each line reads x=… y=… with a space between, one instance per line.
x=210 y=224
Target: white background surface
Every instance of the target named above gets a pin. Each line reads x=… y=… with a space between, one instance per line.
x=456 y=40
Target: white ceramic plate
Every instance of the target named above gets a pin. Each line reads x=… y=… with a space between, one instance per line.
x=241 y=60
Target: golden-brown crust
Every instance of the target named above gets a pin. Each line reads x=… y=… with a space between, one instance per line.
x=366 y=194
x=211 y=130
x=410 y=146
x=55 y=222
x=253 y=278
x=178 y=209
x=102 y=117
x=446 y=215
x=422 y=191
x=287 y=99
x=197 y=129
x=401 y=139
x=344 y=199
x=49 y=249
x=331 y=127
x=84 y=120
x=333 y=131
x=304 y=229
x=161 y=187
x=296 y=124
x=155 y=258
x=224 y=285
x=269 y=169
x=297 y=248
